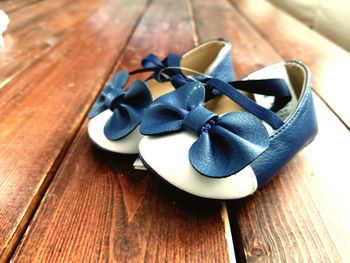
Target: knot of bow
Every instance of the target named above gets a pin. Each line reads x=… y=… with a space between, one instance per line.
x=128 y=106
x=225 y=145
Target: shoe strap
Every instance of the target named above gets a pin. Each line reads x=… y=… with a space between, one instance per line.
x=230 y=90
x=275 y=87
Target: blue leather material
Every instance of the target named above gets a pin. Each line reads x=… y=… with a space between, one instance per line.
x=285 y=142
x=197 y=119
x=128 y=106
x=99 y=106
x=226 y=144
x=166 y=114
x=265 y=114
x=178 y=80
x=269 y=87
x=170 y=66
x=224 y=70
x=153 y=63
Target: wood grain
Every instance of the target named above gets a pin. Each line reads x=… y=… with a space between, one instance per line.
x=302 y=215
x=29 y=14
x=11 y=5
x=99 y=209
x=27 y=44
x=226 y=22
x=293 y=40
x=41 y=118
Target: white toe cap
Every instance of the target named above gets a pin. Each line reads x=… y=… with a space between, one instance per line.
x=127 y=145
x=167 y=155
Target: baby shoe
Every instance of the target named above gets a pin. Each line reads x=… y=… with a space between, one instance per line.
x=227 y=147
x=116 y=114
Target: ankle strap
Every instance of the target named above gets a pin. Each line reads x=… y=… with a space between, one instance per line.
x=249 y=105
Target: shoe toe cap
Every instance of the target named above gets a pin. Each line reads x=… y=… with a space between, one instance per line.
x=167 y=155
x=126 y=145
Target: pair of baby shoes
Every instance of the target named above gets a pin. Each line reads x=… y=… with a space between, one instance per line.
x=200 y=130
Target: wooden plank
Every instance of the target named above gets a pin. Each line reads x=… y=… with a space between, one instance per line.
x=29 y=14
x=11 y=5
x=27 y=44
x=99 y=209
x=40 y=120
x=293 y=40
x=302 y=214
x=226 y=22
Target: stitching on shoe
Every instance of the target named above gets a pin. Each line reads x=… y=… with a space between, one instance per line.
x=297 y=113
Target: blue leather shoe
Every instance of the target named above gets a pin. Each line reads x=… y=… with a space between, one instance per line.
x=228 y=146
x=118 y=111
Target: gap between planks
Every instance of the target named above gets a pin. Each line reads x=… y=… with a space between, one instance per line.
x=317 y=93
x=225 y=216
x=224 y=213
x=250 y=56
x=43 y=42
x=29 y=214
x=321 y=46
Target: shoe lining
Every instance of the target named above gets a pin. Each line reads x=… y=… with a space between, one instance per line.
x=204 y=57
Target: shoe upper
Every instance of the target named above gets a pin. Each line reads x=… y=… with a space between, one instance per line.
x=299 y=129
x=243 y=147
x=118 y=110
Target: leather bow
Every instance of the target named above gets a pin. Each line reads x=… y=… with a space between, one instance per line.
x=128 y=106
x=225 y=145
x=153 y=63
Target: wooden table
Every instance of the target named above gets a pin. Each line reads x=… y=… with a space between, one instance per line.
x=63 y=201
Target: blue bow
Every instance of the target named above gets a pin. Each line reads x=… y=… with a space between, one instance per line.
x=153 y=63
x=226 y=143
x=128 y=106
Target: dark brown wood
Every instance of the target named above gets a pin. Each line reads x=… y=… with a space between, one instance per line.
x=41 y=118
x=27 y=44
x=293 y=40
x=99 y=209
x=303 y=214
x=94 y=206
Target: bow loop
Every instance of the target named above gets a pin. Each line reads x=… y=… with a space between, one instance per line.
x=166 y=114
x=113 y=98
x=128 y=106
x=229 y=144
x=153 y=63
x=120 y=79
x=116 y=83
